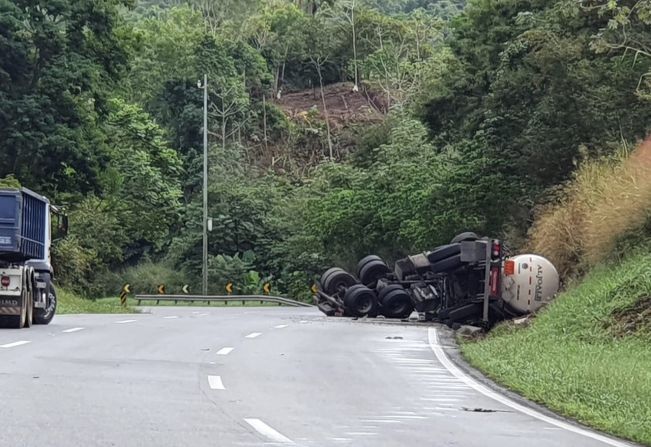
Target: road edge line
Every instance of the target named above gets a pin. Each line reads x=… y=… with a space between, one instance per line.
x=433 y=339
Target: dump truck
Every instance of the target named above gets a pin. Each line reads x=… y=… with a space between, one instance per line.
x=28 y=225
x=469 y=281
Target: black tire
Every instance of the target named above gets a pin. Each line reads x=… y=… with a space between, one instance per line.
x=443 y=252
x=360 y=301
x=467 y=236
x=18 y=321
x=327 y=273
x=395 y=302
x=362 y=262
x=29 y=308
x=447 y=265
x=45 y=316
x=336 y=280
x=372 y=272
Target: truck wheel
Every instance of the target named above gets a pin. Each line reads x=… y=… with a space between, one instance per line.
x=44 y=316
x=467 y=236
x=327 y=273
x=373 y=271
x=395 y=302
x=335 y=279
x=360 y=301
x=366 y=260
x=17 y=321
x=29 y=308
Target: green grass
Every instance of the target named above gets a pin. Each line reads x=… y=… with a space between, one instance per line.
x=69 y=303
x=577 y=358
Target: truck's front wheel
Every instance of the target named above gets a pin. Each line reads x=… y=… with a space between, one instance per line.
x=44 y=316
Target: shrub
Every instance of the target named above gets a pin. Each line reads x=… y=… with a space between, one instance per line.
x=607 y=201
x=145 y=279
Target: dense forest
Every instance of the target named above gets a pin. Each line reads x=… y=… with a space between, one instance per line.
x=336 y=128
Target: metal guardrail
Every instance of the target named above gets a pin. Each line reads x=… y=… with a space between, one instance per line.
x=222 y=299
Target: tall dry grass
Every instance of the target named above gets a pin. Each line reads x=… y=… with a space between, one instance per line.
x=606 y=200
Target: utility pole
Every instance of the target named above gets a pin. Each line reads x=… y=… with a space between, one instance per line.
x=205 y=186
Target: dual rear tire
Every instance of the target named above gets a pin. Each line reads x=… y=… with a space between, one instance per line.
x=30 y=315
x=395 y=302
x=371 y=269
x=360 y=301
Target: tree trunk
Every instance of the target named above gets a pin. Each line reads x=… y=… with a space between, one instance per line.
x=224 y=134
x=325 y=110
x=264 y=122
x=352 y=20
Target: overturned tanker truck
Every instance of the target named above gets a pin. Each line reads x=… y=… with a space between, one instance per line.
x=470 y=281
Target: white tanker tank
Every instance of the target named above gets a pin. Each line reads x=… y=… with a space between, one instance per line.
x=528 y=282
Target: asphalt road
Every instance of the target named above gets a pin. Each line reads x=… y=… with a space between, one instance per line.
x=251 y=377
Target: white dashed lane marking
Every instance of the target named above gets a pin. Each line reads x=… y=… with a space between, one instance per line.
x=171 y=317
x=280 y=326
x=125 y=321
x=215 y=383
x=14 y=344
x=254 y=335
x=268 y=432
x=225 y=351
x=74 y=329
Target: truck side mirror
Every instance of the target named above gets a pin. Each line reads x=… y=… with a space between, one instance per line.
x=59 y=224
x=63 y=226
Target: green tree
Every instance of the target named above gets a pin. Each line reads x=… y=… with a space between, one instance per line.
x=58 y=62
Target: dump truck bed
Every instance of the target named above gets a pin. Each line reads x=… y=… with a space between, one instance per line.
x=23 y=225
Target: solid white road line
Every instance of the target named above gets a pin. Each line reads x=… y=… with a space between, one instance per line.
x=215 y=383
x=254 y=335
x=125 y=321
x=74 y=329
x=447 y=363
x=281 y=326
x=267 y=431
x=170 y=317
x=225 y=351
x=382 y=421
x=14 y=344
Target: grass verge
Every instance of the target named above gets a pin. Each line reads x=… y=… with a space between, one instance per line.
x=69 y=303
x=580 y=357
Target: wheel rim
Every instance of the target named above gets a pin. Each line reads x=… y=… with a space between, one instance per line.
x=365 y=304
x=51 y=303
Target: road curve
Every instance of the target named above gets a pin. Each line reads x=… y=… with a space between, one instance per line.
x=251 y=377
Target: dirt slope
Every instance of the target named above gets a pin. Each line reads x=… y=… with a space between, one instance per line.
x=343 y=104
